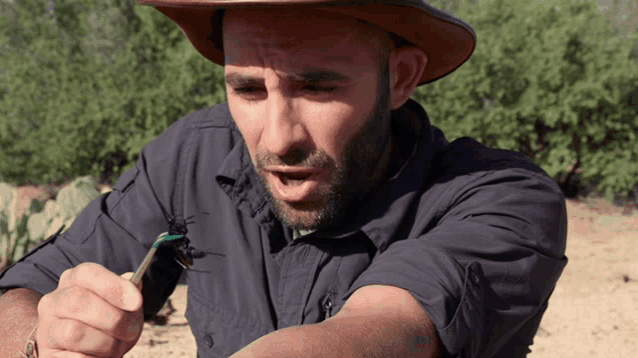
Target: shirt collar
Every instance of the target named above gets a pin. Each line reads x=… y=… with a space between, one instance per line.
x=381 y=212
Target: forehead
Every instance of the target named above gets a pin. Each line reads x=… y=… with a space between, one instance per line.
x=305 y=35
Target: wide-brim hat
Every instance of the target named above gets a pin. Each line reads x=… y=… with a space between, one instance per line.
x=446 y=40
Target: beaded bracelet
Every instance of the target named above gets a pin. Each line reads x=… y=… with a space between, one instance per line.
x=31 y=348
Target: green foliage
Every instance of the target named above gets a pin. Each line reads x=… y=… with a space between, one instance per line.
x=551 y=79
x=85 y=85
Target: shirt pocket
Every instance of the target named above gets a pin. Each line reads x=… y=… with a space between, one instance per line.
x=219 y=332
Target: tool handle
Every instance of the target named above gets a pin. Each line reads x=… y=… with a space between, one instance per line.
x=137 y=277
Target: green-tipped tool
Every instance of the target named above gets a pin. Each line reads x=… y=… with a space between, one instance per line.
x=161 y=239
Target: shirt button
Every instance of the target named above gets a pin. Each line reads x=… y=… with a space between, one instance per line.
x=209 y=340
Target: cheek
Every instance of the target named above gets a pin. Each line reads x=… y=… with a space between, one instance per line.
x=247 y=123
x=334 y=126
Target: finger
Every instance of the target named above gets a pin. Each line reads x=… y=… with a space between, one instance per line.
x=116 y=290
x=70 y=336
x=83 y=305
x=128 y=276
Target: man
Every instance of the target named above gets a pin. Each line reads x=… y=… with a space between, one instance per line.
x=344 y=224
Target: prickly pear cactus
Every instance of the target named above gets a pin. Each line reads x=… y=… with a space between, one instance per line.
x=17 y=237
x=13 y=237
x=8 y=204
x=68 y=205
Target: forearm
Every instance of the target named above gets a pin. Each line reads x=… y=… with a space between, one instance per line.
x=308 y=341
x=340 y=338
x=19 y=315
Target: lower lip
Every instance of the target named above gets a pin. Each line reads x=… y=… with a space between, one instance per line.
x=294 y=192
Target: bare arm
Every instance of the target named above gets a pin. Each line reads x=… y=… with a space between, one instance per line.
x=19 y=315
x=376 y=321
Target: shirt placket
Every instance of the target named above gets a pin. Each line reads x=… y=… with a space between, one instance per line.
x=299 y=271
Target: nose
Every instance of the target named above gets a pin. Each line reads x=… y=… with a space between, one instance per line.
x=284 y=130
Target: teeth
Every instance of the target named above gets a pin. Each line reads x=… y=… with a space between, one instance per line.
x=295 y=182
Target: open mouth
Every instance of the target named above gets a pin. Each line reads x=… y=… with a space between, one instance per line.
x=293 y=179
x=295 y=185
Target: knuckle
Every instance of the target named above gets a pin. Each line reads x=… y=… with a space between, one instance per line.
x=76 y=291
x=75 y=299
x=53 y=336
x=71 y=332
x=72 y=337
x=65 y=277
x=86 y=269
x=67 y=302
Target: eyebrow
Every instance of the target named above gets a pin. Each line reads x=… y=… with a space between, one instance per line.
x=308 y=77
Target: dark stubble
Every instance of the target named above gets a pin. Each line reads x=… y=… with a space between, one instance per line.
x=349 y=184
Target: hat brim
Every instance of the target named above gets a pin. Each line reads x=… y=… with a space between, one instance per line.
x=447 y=41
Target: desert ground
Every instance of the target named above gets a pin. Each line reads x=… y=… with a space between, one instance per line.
x=593 y=311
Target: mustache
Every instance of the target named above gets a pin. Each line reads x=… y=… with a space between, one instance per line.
x=296 y=157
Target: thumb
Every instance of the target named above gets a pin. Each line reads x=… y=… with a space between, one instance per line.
x=128 y=276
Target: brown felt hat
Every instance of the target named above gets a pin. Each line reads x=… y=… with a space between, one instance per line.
x=447 y=41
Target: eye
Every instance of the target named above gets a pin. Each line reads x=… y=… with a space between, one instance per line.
x=245 y=90
x=249 y=94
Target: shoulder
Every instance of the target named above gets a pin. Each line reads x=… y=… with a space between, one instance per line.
x=200 y=141
x=217 y=116
x=213 y=125
x=466 y=155
x=467 y=174
x=467 y=163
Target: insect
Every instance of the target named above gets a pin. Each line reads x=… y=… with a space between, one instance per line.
x=185 y=252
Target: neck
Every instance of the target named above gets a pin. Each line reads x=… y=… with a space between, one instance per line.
x=384 y=166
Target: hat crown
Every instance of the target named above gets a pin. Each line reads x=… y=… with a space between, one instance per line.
x=446 y=40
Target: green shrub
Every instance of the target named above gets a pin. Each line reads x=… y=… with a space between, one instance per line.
x=87 y=85
x=553 y=80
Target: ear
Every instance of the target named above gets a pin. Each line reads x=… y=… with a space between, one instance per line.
x=406 y=68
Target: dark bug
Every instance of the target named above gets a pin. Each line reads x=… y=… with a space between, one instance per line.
x=185 y=252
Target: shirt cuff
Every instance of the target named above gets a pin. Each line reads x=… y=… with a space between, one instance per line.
x=453 y=304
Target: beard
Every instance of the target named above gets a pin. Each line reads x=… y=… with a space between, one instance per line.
x=349 y=184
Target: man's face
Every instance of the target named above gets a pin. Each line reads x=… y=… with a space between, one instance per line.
x=306 y=95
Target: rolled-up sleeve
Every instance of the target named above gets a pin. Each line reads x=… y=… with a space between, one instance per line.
x=117 y=229
x=488 y=259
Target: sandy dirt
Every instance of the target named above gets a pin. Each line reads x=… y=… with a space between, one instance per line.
x=593 y=311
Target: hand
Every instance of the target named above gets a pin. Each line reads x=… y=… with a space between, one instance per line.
x=92 y=313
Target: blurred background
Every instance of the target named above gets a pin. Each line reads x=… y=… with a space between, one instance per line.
x=84 y=85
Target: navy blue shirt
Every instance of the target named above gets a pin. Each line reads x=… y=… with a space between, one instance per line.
x=476 y=235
